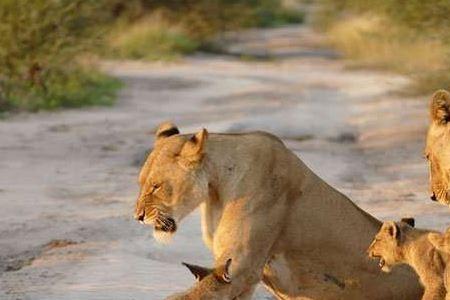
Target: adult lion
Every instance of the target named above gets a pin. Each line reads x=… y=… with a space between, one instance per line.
x=437 y=150
x=265 y=209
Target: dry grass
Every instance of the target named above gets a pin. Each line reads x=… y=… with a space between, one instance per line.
x=152 y=38
x=373 y=41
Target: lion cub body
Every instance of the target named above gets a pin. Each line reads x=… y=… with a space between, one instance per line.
x=400 y=243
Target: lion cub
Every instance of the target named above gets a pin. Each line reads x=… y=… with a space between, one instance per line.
x=401 y=243
x=212 y=279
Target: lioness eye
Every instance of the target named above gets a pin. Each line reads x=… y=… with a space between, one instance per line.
x=155 y=187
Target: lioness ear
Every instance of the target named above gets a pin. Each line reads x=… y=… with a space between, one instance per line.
x=440 y=107
x=165 y=130
x=197 y=271
x=410 y=221
x=193 y=148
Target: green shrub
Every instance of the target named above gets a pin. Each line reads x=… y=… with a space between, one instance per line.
x=40 y=43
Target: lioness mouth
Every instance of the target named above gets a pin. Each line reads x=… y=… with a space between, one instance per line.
x=165 y=224
x=381 y=261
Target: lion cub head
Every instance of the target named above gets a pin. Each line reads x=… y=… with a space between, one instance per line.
x=220 y=275
x=211 y=280
x=387 y=242
x=172 y=181
x=440 y=241
x=437 y=150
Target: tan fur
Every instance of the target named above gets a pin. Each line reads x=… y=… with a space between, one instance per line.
x=437 y=150
x=212 y=280
x=265 y=209
x=442 y=243
x=399 y=243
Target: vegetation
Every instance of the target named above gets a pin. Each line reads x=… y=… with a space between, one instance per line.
x=40 y=45
x=410 y=37
x=152 y=38
x=44 y=43
x=156 y=30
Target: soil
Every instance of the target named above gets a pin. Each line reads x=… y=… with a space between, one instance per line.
x=68 y=179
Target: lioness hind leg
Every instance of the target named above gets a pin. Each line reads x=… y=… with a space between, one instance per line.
x=247 y=295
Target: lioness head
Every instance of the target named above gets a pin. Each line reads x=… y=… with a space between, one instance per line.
x=172 y=181
x=387 y=243
x=221 y=274
x=437 y=150
x=440 y=241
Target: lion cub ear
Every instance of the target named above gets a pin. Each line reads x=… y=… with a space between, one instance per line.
x=392 y=229
x=165 y=130
x=410 y=221
x=223 y=273
x=198 y=271
x=193 y=149
x=440 y=107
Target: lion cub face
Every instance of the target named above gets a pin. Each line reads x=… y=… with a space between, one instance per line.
x=172 y=182
x=437 y=150
x=440 y=241
x=387 y=242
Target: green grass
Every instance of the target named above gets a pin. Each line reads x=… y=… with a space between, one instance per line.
x=280 y=17
x=62 y=89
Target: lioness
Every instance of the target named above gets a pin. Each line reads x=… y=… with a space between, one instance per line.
x=212 y=280
x=437 y=150
x=265 y=209
x=400 y=243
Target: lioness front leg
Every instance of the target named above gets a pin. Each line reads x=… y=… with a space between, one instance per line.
x=246 y=233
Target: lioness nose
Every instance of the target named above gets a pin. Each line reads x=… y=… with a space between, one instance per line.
x=433 y=197
x=139 y=216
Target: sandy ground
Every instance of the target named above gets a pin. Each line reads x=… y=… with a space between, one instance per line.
x=68 y=180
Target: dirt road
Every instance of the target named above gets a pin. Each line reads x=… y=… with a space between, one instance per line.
x=68 y=180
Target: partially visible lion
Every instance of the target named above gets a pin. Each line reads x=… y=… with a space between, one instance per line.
x=264 y=208
x=400 y=243
x=437 y=150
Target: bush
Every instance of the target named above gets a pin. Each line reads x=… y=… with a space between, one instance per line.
x=410 y=37
x=151 y=38
x=40 y=43
x=156 y=29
